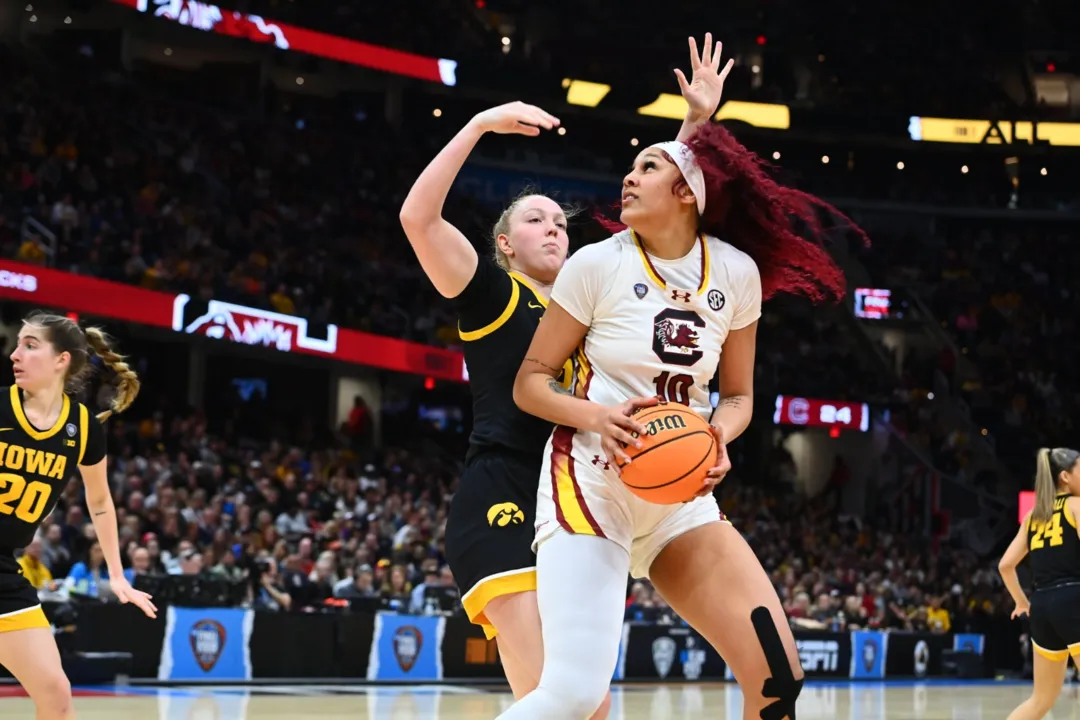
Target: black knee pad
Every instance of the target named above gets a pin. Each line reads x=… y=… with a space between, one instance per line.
x=781 y=686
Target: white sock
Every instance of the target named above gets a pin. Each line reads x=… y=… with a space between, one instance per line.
x=581 y=590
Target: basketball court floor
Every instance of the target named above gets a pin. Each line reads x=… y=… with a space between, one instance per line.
x=931 y=700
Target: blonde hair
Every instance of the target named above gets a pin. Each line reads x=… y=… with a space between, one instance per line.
x=1049 y=464
x=65 y=335
x=502 y=225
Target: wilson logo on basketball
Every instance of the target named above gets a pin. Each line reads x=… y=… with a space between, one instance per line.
x=207 y=642
x=505 y=514
x=668 y=422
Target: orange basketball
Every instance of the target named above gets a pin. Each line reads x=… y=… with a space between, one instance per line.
x=678 y=450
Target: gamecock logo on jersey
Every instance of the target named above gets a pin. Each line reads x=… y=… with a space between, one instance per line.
x=675 y=337
x=252 y=326
x=207 y=642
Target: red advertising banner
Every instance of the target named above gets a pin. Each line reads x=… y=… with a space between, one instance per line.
x=211 y=18
x=1027 y=503
x=222 y=321
x=821 y=413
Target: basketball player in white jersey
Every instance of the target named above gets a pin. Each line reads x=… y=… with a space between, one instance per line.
x=654 y=311
x=493 y=563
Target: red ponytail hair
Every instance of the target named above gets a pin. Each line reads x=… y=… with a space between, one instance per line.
x=749 y=210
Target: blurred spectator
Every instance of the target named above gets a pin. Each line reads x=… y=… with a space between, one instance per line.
x=360 y=586
x=396 y=589
x=270 y=593
x=34 y=569
x=89 y=577
x=140 y=565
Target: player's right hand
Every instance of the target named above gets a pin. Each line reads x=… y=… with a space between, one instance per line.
x=1024 y=609
x=615 y=425
x=515 y=118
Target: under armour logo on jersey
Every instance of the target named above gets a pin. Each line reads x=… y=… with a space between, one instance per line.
x=684 y=296
x=597 y=461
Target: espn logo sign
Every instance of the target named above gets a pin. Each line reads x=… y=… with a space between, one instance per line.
x=818 y=655
x=252 y=326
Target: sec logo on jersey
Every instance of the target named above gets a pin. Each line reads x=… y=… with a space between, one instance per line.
x=676 y=335
x=716 y=300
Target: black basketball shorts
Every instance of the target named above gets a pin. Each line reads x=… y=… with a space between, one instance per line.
x=1055 y=622
x=20 y=608
x=489 y=531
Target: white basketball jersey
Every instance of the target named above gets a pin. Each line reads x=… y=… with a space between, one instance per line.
x=656 y=327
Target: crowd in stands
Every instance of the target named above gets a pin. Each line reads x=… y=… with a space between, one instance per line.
x=1003 y=292
x=303 y=529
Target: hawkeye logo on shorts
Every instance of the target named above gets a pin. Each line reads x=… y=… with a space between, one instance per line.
x=505 y=514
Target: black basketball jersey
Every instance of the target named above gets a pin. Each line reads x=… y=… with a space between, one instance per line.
x=35 y=465
x=499 y=312
x=1054 y=548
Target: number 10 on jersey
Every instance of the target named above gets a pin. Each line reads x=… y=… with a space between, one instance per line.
x=674 y=388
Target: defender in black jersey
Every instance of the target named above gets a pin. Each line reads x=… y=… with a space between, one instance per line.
x=490 y=529
x=1050 y=540
x=500 y=300
x=45 y=434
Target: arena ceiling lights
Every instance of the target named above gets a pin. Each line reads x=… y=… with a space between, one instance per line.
x=673 y=107
x=211 y=18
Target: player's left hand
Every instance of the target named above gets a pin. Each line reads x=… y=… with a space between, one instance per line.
x=706 y=84
x=127 y=594
x=1024 y=609
x=716 y=473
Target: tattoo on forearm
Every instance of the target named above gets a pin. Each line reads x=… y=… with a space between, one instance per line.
x=100 y=513
x=556 y=387
x=734 y=401
x=543 y=365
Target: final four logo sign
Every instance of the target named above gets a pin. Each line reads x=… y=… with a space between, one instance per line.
x=207 y=642
x=407 y=643
x=663 y=655
x=869 y=654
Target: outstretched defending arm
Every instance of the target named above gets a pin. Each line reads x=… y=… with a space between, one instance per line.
x=447 y=256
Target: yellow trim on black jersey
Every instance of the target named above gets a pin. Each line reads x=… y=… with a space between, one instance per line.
x=1067 y=514
x=84 y=429
x=470 y=335
x=20 y=416
x=655 y=275
x=528 y=283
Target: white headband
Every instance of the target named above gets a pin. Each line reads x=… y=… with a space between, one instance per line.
x=691 y=172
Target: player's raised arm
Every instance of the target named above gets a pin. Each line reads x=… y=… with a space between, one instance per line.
x=446 y=255
x=702 y=93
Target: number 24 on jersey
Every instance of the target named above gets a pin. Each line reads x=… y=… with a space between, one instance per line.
x=1044 y=531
